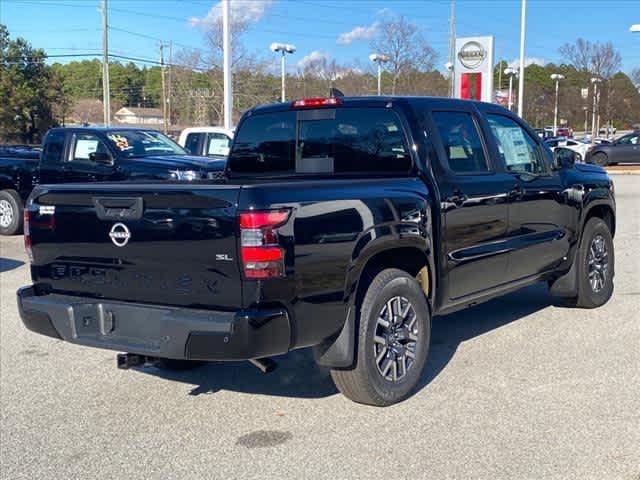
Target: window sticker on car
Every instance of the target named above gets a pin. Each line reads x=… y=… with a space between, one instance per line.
x=85 y=147
x=121 y=142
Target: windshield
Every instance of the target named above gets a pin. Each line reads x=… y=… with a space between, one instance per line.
x=143 y=143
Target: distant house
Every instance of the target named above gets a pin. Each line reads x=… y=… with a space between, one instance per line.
x=139 y=116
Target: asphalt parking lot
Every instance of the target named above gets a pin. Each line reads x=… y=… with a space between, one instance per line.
x=516 y=388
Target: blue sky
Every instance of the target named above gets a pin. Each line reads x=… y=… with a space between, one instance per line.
x=336 y=29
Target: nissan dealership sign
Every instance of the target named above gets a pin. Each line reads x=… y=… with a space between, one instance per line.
x=473 y=68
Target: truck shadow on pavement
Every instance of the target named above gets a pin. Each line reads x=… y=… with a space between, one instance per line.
x=7 y=264
x=297 y=374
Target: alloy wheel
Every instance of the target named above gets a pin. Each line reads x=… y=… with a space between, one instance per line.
x=598 y=262
x=395 y=339
x=6 y=214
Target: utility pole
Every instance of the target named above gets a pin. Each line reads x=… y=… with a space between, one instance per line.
x=170 y=80
x=106 y=93
x=452 y=47
x=164 y=90
x=226 y=65
x=523 y=24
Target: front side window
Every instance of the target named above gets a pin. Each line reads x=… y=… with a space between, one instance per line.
x=319 y=141
x=143 y=143
x=518 y=151
x=461 y=142
x=629 y=140
x=85 y=145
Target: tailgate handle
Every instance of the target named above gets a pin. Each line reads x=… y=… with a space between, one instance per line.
x=118 y=208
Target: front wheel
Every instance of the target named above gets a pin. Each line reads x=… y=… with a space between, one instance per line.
x=596 y=265
x=393 y=341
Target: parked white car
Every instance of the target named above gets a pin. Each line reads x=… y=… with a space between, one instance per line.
x=579 y=147
x=206 y=141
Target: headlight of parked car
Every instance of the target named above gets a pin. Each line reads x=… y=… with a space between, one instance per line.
x=188 y=175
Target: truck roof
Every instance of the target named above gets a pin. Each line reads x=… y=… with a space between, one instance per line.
x=102 y=128
x=373 y=101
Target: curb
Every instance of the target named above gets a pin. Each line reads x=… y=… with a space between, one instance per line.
x=623 y=172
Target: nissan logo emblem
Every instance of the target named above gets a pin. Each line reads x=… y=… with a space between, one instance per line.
x=120 y=234
x=472 y=54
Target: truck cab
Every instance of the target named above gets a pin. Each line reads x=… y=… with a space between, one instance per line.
x=213 y=142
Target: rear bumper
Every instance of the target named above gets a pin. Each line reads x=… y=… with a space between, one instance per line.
x=168 y=332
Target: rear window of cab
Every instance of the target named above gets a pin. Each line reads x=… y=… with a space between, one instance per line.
x=321 y=141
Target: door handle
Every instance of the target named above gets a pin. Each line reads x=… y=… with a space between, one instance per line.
x=516 y=193
x=457 y=198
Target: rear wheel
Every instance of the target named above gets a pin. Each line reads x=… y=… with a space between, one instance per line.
x=600 y=159
x=10 y=212
x=393 y=341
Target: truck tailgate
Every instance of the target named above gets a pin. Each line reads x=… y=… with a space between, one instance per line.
x=165 y=244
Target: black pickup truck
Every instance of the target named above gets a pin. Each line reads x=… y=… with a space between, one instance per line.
x=342 y=224
x=93 y=154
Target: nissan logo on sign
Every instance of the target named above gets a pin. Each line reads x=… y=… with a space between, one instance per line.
x=120 y=234
x=472 y=54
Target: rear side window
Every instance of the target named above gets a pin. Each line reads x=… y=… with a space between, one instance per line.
x=53 y=148
x=341 y=140
x=191 y=143
x=218 y=144
x=461 y=142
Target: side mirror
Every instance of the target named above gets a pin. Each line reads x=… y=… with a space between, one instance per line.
x=101 y=157
x=565 y=158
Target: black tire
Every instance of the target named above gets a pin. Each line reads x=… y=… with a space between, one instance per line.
x=366 y=382
x=588 y=296
x=177 y=365
x=11 y=216
x=600 y=159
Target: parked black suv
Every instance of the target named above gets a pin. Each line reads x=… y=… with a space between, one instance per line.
x=343 y=224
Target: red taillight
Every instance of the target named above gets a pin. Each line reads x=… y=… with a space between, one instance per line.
x=262 y=256
x=263 y=219
x=27 y=234
x=316 y=102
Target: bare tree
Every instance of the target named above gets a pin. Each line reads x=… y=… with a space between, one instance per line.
x=405 y=46
x=600 y=59
x=87 y=110
x=635 y=77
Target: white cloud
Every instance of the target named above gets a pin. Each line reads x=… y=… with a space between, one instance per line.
x=314 y=56
x=358 y=33
x=528 y=61
x=384 y=11
x=250 y=11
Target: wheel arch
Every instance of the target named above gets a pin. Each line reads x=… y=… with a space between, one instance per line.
x=340 y=351
x=600 y=210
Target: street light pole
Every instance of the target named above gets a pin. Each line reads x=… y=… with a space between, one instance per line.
x=106 y=93
x=594 y=82
x=510 y=72
x=226 y=65
x=557 y=77
x=379 y=58
x=283 y=48
x=523 y=23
